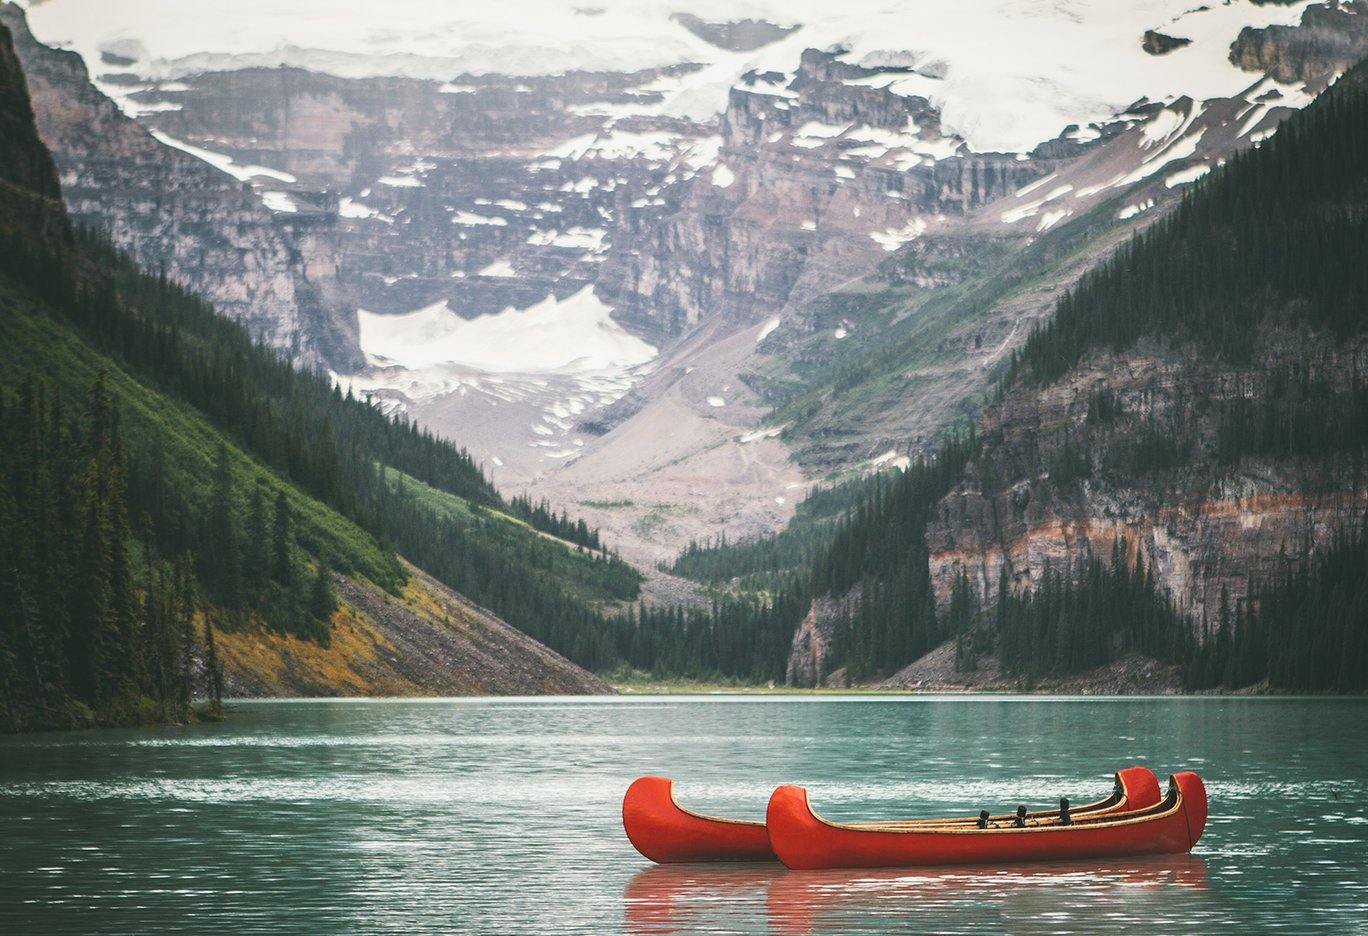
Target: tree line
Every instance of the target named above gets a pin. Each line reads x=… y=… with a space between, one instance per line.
x=1304 y=631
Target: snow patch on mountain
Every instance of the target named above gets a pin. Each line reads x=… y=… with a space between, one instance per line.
x=279 y=202
x=224 y=162
x=566 y=336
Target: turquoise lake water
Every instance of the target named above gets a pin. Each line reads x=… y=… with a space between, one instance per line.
x=503 y=816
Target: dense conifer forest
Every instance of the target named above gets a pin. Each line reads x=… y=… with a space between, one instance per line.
x=793 y=547
x=340 y=451
x=1277 y=234
x=95 y=622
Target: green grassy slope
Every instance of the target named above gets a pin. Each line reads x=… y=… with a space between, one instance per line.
x=36 y=347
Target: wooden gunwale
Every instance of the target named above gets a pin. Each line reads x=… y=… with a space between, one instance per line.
x=1113 y=802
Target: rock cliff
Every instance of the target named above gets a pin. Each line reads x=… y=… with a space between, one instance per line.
x=1329 y=39
x=170 y=210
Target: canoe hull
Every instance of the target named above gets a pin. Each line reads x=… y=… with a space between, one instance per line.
x=805 y=841
x=664 y=832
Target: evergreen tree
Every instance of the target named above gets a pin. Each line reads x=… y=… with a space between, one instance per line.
x=257 y=562
x=280 y=540
x=222 y=551
x=213 y=667
x=322 y=601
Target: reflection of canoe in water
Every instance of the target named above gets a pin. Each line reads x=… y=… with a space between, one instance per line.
x=804 y=840
x=664 y=831
x=840 y=899
x=672 y=898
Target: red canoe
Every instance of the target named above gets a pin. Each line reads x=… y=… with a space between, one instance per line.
x=664 y=831
x=803 y=840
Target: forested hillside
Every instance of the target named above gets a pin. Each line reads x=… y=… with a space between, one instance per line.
x=158 y=469
x=1173 y=467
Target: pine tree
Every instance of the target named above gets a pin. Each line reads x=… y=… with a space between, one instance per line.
x=322 y=601
x=222 y=551
x=256 y=567
x=213 y=668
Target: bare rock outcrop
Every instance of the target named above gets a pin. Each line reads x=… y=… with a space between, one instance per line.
x=810 y=656
x=818 y=178
x=170 y=210
x=1199 y=528
x=1157 y=43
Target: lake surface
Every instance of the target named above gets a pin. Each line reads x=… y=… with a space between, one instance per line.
x=496 y=816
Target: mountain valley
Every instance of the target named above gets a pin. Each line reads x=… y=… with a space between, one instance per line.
x=735 y=285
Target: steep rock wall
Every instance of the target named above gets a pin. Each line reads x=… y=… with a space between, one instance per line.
x=170 y=210
x=1201 y=527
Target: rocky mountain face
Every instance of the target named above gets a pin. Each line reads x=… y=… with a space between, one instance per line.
x=931 y=322
x=602 y=286
x=1058 y=483
x=818 y=176
x=170 y=210
x=1200 y=530
x=295 y=199
x=1209 y=434
x=1328 y=40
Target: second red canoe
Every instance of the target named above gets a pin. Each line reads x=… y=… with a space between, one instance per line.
x=665 y=831
x=804 y=840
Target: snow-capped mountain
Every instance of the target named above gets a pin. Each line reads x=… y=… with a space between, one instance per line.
x=1005 y=74
x=585 y=239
